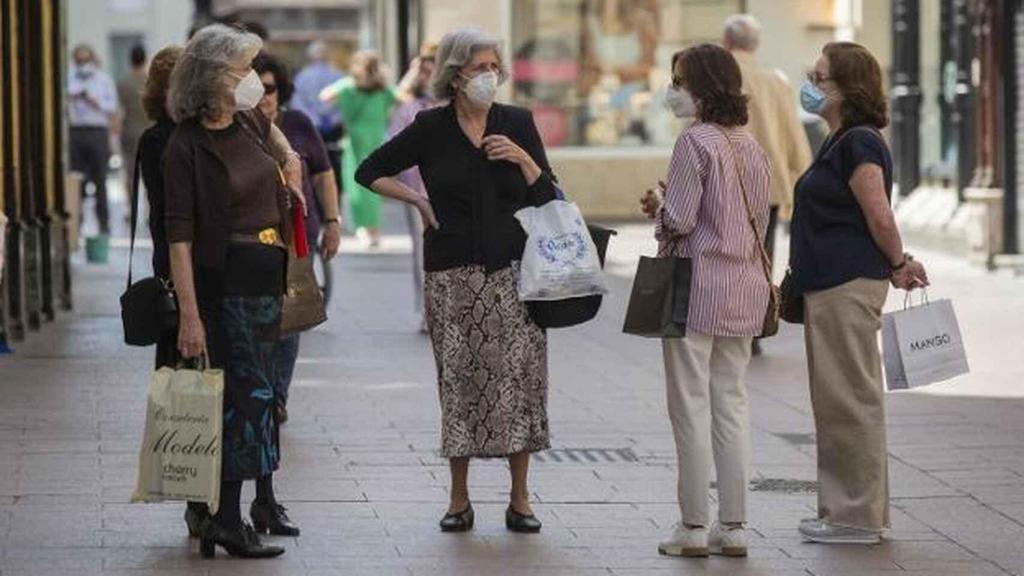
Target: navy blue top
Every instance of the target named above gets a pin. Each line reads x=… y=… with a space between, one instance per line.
x=304 y=139
x=831 y=243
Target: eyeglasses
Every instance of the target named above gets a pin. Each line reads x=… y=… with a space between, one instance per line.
x=269 y=89
x=817 y=79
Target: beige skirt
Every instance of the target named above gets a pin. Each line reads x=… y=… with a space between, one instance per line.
x=491 y=360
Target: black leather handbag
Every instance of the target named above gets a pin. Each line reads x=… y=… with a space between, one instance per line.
x=572 y=311
x=659 y=305
x=148 y=307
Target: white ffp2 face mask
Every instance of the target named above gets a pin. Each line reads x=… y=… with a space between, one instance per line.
x=680 y=102
x=482 y=88
x=249 y=91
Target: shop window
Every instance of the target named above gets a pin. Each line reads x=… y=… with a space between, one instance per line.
x=594 y=72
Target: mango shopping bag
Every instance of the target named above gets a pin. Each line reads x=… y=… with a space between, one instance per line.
x=180 y=456
x=922 y=345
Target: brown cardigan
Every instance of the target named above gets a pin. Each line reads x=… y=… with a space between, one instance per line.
x=195 y=188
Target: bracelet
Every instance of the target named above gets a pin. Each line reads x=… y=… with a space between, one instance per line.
x=334 y=220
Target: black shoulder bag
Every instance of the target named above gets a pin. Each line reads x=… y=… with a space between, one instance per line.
x=148 y=307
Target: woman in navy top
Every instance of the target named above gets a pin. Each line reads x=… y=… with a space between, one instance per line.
x=845 y=251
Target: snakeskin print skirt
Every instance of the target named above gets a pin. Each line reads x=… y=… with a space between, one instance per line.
x=492 y=370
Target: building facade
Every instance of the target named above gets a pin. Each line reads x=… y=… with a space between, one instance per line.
x=957 y=90
x=36 y=279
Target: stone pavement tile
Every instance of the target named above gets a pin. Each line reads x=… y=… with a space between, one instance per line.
x=887 y=552
x=976 y=567
x=503 y=570
x=329 y=490
x=909 y=482
x=973 y=525
x=56 y=560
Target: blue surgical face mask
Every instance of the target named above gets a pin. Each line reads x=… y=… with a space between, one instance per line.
x=812 y=98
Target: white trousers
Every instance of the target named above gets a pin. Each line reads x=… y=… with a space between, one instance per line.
x=707 y=405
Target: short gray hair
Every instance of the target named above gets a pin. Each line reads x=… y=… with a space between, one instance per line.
x=743 y=31
x=455 y=51
x=199 y=84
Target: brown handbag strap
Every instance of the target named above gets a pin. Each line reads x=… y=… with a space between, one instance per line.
x=765 y=261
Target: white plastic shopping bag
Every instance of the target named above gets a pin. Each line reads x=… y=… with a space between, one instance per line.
x=922 y=345
x=560 y=260
x=180 y=456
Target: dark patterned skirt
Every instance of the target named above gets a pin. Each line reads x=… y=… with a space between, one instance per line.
x=243 y=327
x=491 y=364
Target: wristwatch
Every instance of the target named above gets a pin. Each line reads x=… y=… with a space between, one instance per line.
x=332 y=220
x=907 y=257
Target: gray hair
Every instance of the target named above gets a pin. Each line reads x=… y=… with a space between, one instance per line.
x=455 y=51
x=200 y=85
x=743 y=31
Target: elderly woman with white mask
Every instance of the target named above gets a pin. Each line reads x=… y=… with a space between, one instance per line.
x=227 y=215
x=480 y=162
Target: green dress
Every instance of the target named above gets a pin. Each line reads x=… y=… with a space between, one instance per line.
x=366 y=115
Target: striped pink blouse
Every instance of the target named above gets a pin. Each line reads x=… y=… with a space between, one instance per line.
x=703 y=218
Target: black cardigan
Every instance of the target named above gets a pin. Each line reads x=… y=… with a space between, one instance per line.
x=152 y=145
x=474 y=199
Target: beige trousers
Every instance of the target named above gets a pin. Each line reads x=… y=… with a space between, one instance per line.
x=841 y=334
x=707 y=405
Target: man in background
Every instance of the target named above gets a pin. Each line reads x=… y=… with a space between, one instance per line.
x=92 y=104
x=773 y=123
x=309 y=82
x=133 y=117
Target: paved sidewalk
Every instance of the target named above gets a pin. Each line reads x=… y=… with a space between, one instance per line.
x=361 y=474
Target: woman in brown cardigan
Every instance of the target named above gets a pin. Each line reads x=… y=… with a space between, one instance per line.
x=227 y=216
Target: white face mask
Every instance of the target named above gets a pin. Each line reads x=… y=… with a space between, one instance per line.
x=680 y=102
x=249 y=91
x=482 y=88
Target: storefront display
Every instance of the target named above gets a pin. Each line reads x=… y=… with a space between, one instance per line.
x=594 y=71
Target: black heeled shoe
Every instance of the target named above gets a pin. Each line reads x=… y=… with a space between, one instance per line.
x=272 y=519
x=195 y=521
x=522 y=523
x=460 y=522
x=241 y=542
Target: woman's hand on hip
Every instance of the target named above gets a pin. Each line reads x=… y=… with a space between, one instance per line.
x=191 y=336
x=427 y=213
x=651 y=201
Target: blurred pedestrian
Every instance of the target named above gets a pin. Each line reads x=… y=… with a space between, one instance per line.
x=227 y=215
x=317 y=186
x=480 y=162
x=845 y=250
x=774 y=122
x=92 y=104
x=365 y=101
x=133 y=117
x=416 y=84
x=713 y=208
x=309 y=82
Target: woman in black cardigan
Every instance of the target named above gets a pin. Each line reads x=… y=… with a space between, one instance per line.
x=480 y=163
x=152 y=145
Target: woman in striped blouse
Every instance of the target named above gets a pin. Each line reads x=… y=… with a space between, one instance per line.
x=700 y=214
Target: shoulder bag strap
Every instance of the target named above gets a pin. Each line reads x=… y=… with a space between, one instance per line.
x=765 y=261
x=134 y=199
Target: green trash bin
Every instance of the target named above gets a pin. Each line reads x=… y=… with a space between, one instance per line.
x=97 y=249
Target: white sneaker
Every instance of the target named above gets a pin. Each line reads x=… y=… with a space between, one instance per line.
x=824 y=533
x=728 y=540
x=688 y=542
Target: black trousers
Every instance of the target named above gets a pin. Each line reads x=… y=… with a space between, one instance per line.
x=90 y=155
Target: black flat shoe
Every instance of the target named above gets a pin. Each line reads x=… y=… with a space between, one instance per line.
x=242 y=542
x=461 y=522
x=272 y=519
x=525 y=524
x=195 y=520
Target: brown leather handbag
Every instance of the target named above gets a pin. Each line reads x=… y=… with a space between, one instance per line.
x=303 y=306
x=770 y=325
